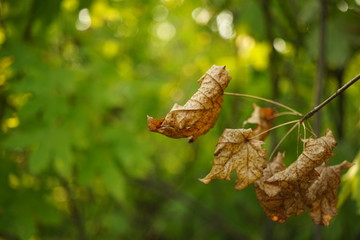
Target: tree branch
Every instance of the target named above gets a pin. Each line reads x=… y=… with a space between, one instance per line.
x=337 y=93
x=75 y=213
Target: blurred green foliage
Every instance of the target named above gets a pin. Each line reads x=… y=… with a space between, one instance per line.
x=77 y=79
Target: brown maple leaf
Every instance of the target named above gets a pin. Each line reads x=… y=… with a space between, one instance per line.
x=276 y=165
x=322 y=194
x=236 y=150
x=286 y=192
x=264 y=118
x=200 y=112
x=301 y=173
x=281 y=206
x=285 y=203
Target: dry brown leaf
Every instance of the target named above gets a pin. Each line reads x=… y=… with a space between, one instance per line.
x=281 y=206
x=286 y=192
x=322 y=194
x=200 y=112
x=301 y=173
x=285 y=203
x=264 y=118
x=236 y=150
x=274 y=206
x=276 y=165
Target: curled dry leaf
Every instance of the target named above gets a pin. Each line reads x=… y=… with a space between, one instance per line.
x=322 y=194
x=281 y=206
x=200 y=112
x=264 y=118
x=283 y=192
x=236 y=150
x=275 y=166
x=302 y=172
x=285 y=203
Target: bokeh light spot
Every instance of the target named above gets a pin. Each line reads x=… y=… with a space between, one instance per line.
x=14 y=181
x=165 y=31
x=110 y=48
x=201 y=15
x=12 y=122
x=244 y=44
x=84 y=20
x=343 y=6
x=279 y=45
x=2 y=36
x=69 y=5
x=225 y=24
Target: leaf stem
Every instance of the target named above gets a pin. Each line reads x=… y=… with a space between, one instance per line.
x=277 y=126
x=283 y=138
x=337 y=93
x=265 y=100
x=284 y=114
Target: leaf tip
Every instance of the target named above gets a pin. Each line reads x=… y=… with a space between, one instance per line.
x=239 y=186
x=154 y=124
x=330 y=137
x=205 y=180
x=191 y=139
x=346 y=164
x=326 y=220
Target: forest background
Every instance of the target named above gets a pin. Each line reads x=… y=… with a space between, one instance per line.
x=77 y=79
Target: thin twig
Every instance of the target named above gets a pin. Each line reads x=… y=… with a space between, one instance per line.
x=283 y=138
x=74 y=210
x=298 y=140
x=337 y=93
x=277 y=126
x=310 y=129
x=285 y=114
x=265 y=100
x=304 y=126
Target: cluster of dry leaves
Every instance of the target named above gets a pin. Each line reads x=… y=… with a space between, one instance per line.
x=282 y=191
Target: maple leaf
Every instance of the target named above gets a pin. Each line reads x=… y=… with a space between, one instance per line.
x=322 y=194
x=302 y=172
x=264 y=118
x=236 y=150
x=276 y=165
x=283 y=192
x=285 y=203
x=200 y=112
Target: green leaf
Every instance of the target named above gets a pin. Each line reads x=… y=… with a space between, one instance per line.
x=113 y=180
x=40 y=157
x=63 y=157
x=351 y=184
